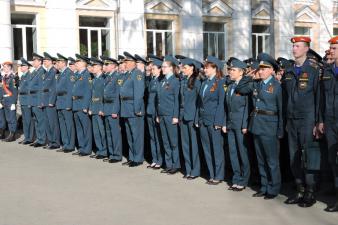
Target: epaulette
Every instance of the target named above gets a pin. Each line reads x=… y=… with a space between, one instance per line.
x=313 y=64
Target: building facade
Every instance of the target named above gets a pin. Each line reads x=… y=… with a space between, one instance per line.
x=194 y=28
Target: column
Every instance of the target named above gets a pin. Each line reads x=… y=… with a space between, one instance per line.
x=241 y=29
x=284 y=27
x=192 y=29
x=131 y=27
x=60 y=28
x=325 y=24
x=6 y=41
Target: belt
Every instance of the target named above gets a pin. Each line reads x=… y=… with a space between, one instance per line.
x=77 y=97
x=96 y=99
x=263 y=112
x=23 y=93
x=123 y=98
x=62 y=93
x=45 y=90
x=33 y=92
x=108 y=101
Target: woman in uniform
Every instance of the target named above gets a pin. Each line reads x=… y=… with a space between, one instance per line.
x=190 y=86
x=210 y=118
x=236 y=127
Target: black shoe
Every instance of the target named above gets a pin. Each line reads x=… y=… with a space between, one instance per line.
x=76 y=153
x=308 y=200
x=111 y=160
x=68 y=150
x=165 y=170
x=26 y=142
x=192 y=177
x=172 y=171
x=60 y=150
x=127 y=163
x=135 y=164
x=100 y=157
x=259 y=194
x=10 y=137
x=333 y=208
x=298 y=198
x=269 y=196
x=93 y=156
x=37 y=145
x=83 y=154
x=2 y=134
x=51 y=147
x=241 y=188
x=213 y=182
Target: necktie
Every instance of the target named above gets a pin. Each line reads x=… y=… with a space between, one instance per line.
x=233 y=87
x=205 y=87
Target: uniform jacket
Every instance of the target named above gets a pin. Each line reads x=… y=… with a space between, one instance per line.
x=35 y=86
x=82 y=92
x=96 y=104
x=330 y=94
x=24 y=88
x=111 y=94
x=64 y=87
x=188 y=99
x=47 y=95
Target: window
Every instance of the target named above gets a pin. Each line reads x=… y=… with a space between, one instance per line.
x=160 y=37
x=260 y=40
x=335 y=31
x=302 y=31
x=214 y=40
x=94 y=36
x=24 y=35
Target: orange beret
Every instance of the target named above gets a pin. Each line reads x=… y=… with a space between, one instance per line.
x=7 y=63
x=334 y=40
x=301 y=39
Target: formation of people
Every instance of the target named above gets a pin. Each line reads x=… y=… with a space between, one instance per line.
x=182 y=107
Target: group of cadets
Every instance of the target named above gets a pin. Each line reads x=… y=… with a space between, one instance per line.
x=178 y=105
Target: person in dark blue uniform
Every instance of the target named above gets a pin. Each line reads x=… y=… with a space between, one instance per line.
x=64 y=86
x=23 y=93
x=71 y=64
x=330 y=116
x=132 y=110
x=189 y=88
x=266 y=123
x=167 y=111
x=9 y=98
x=35 y=87
x=96 y=109
x=237 y=127
x=302 y=92
x=111 y=110
x=81 y=95
x=210 y=118
x=153 y=127
x=2 y=112
x=47 y=102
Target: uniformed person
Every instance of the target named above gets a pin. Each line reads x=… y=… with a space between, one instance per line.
x=153 y=127
x=210 y=118
x=9 y=98
x=237 y=127
x=47 y=102
x=71 y=64
x=96 y=109
x=167 y=107
x=2 y=111
x=132 y=110
x=81 y=95
x=266 y=123
x=111 y=110
x=64 y=86
x=301 y=84
x=189 y=88
x=330 y=108
x=23 y=93
x=35 y=87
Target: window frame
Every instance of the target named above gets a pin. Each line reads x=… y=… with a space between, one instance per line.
x=216 y=33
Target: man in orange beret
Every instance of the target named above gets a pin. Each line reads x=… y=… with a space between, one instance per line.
x=301 y=84
x=330 y=103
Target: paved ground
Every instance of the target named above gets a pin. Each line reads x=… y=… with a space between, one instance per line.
x=46 y=187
